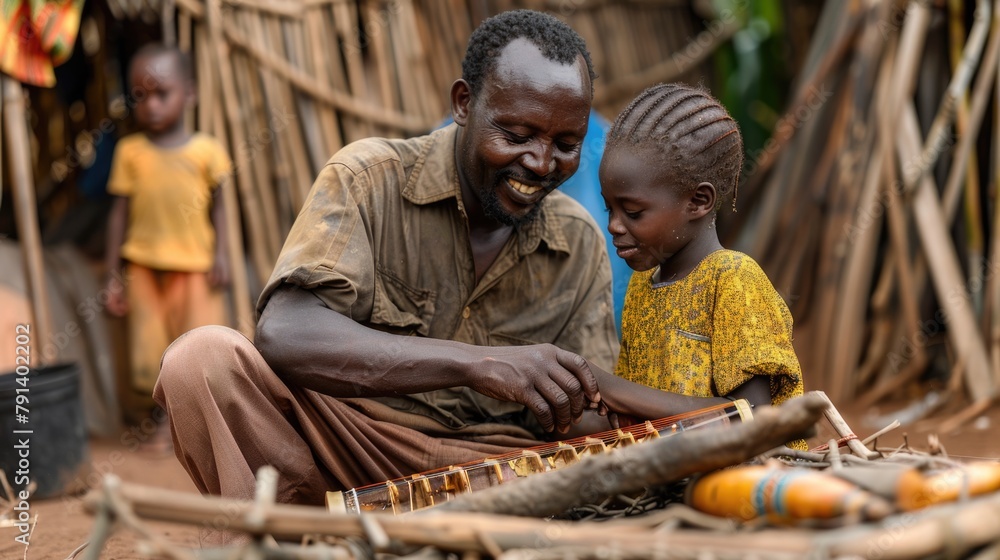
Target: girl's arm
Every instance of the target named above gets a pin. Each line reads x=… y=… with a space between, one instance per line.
x=646 y=403
x=219 y=275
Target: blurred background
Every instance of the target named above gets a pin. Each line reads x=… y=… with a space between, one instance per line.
x=868 y=194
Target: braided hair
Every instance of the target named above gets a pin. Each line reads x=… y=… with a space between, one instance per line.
x=693 y=131
x=556 y=40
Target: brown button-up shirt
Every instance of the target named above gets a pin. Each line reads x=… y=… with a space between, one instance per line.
x=383 y=238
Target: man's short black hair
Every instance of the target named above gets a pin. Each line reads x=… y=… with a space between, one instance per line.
x=556 y=40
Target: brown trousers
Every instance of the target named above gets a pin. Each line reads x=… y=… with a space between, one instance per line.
x=162 y=306
x=230 y=414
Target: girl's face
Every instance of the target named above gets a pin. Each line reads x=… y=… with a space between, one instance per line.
x=649 y=220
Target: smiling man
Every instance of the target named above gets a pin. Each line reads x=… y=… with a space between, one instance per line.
x=435 y=301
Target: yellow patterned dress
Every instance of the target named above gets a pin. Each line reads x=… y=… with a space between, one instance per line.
x=710 y=332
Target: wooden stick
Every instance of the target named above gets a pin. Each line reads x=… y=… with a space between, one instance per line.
x=951 y=424
x=966 y=141
x=862 y=232
x=946 y=275
x=322 y=92
x=670 y=68
x=951 y=529
x=845 y=431
x=243 y=312
x=448 y=531
x=956 y=88
x=243 y=175
x=26 y=216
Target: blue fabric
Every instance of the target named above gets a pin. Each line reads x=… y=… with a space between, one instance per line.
x=585 y=187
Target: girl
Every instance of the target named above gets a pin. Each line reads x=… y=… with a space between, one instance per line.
x=699 y=320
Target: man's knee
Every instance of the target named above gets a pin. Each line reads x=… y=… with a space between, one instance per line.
x=200 y=354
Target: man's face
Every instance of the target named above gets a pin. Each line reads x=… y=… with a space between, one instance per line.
x=522 y=133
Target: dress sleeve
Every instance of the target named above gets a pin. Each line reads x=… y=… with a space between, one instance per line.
x=121 y=182
x=752 y=333
x=218 y=163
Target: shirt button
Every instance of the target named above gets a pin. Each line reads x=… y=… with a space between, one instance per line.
x=466 y=312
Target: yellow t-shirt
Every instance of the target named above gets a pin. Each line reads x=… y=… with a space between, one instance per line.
x=710 y=332
x=170 y=198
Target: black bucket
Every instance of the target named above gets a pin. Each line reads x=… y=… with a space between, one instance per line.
x=55 y=449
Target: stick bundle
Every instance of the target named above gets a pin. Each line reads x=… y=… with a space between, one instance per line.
x=870 y=211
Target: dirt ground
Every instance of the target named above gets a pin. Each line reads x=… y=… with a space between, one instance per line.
x=62 y=524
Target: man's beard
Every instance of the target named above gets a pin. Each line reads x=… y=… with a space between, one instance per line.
x=492 y=208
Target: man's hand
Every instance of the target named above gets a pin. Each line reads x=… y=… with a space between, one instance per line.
x=554 y=384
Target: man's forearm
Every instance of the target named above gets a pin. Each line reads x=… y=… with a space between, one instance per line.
x=310 y=345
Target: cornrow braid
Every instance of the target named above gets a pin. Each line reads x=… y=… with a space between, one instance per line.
x=694 y=132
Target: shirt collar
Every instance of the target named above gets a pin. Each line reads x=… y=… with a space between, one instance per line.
x=435 y=177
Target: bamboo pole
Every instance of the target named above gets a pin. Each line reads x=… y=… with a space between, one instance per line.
x=980 y=98
x=973 y=222
x=243 y=312
x=956 y=89
x=993 y=283
x=321 y=92
x=258 y=245
x=26 y=216
x=946 y=273
x=862 y=243
x=899 y=85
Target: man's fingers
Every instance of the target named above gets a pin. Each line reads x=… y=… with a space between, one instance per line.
x=559 y=403
x=576 y=365
x=571 y=387
x=541 y=409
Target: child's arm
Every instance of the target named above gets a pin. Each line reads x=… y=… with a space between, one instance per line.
x=646 y=403
x=117 y=220
x=219 y=275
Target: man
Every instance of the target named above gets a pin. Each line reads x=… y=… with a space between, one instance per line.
x=456 y=238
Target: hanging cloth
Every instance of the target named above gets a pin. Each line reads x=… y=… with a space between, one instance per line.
x=36 y=36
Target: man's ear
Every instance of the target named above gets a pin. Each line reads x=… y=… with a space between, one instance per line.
x=461 y=97
x=702 y=201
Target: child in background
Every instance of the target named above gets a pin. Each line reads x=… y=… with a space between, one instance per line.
x=167 y=225
x=699 y=320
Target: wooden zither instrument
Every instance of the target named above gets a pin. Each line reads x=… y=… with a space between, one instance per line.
x=428 y=488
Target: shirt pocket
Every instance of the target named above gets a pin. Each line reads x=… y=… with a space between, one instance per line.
x=687 y=362
x=400 y=308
